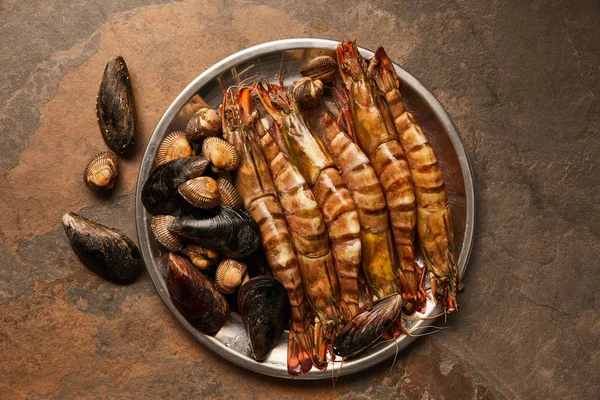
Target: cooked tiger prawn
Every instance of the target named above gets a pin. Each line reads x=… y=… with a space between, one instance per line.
x=308 y=152
x=379 y=141
x=376 y=239
x=255 y=186
x=308 y=234
x=434 y=222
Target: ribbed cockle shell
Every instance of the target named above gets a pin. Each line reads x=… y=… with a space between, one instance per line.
x=201 y=257
x=323 y=68
x=101 y=171
x=203 y=192
x=308 y=92
x=220 y=153
x=174 y=145
x=229 y=196
x=204 y=123
x=162 y=234
x=230 y=274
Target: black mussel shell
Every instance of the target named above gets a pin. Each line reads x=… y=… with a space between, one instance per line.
x=229 y=231
x=195 y=296
x=159 y=194
x=265 y=309
x=367 y=327
x=106 y=251
x=115 y=107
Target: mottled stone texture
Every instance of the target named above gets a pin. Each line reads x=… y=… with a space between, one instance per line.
x=521 y=81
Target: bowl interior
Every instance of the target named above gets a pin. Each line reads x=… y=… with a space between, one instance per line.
x=268 y=61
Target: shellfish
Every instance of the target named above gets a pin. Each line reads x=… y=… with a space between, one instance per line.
x=106 y=251
x=323 y=68
x=308 y=92
x=204 y=123
x=367 y=327
x=101 y=172
x=159 y=194
x=202 y=192
x=115 y=107
x=195 y=296
x=201 y=257
x=230 y=274
x=231 y=232
x=229 y=196
x=166 y=238
x=221 y=153
x=174 y=145
x=265 y=309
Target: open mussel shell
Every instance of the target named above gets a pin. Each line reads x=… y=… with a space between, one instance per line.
x=323 y=68
x=101 y=172
x=175 y=145
x=195 y=296
x=367 y=327
x=106 y=251
x=203 y=192
x=221 y=154
x=230 y=274
x=115 y=107
x=229 y=196
x=201 y=257
x=230 y=231
x=159 y=194
x=308 y=92
x=265 y=309
x=204 y=123
x=160 y=229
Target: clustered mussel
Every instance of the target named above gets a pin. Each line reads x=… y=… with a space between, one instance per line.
x=213 y=242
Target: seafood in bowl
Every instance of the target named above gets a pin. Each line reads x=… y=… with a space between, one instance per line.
x=329 y=184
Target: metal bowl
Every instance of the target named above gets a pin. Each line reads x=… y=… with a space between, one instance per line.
x=268 y=60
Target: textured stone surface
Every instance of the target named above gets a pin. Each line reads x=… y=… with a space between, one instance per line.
x=521 y=82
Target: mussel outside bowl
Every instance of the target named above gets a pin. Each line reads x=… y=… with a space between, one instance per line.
x=266 y=60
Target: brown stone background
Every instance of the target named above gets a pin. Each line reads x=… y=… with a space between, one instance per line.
x=521 y=81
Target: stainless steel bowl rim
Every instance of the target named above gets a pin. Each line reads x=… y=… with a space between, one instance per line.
x=384 y=350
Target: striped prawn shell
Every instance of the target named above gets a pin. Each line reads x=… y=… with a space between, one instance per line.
x=101 y=171
x=203 y=192
x=175 y=145
x=160 y=230
x=229 y=196
x=221 y=153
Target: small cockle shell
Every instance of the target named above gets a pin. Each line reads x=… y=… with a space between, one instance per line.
x=221 y=153
x=308 y=92
x=230 y=274
x=115 y=107
x=174 y=145
x=204 y=123
x=201 y=257
x=162 y=234
x=323 y=68
x=203 y=192
x=101 y=171
x=229 y=196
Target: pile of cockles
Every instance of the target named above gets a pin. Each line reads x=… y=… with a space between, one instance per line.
x=330 y=181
